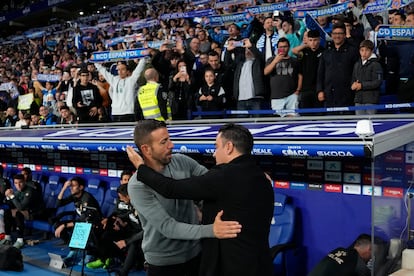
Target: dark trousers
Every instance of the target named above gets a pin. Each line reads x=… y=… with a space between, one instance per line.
x=123 y=118
x=190 y=268
x=17 y=221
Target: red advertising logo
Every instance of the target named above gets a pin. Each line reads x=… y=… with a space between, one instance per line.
x=103 y=172
x=282 y=184
x=333 y=188
x=366 y=179
x=58 y=169
x=38 y=167
x=393 y=192
x=352 y=167
x=79 y=170
x=394 y=157
x=20 y=166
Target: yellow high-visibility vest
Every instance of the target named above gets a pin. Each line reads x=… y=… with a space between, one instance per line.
x=147 y=98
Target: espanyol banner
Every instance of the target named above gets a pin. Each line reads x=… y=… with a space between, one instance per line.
x=283 y=6
x=200 y=2
x=225 y=3
x=396 y=32
x=34 y=35
x=220 y=20
x=190 y=14
x=127 y=38
x=155 y=44
x=398 y=4
x=48 y=77
x=106 y=56
x=325 y=11
x=375 y=7
x=384 y=5
x=140 y=24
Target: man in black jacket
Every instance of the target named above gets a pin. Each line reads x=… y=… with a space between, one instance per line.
x=25 y=204
x=349 y=261
x=237 y=186
x=335 y=70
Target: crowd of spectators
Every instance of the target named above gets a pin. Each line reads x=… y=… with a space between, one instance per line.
x=258 y=64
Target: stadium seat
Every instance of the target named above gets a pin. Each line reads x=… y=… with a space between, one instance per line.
x=94 y=186
x=111 y=196
x=51 y=191
x=281 y=234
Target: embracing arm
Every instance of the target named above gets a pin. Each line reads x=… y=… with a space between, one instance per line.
x=197 y=188
x=150 y=208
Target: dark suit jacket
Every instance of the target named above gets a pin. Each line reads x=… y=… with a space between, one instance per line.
x=241 y=189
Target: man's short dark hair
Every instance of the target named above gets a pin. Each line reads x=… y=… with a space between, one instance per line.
x=367 y=44
x=363 y=239
x=126 y=173
x=283 y=39
x=339 y=25
x=19 y=176
x=213 y=53
x=64 y=107
x=314 y=34
x=240 y=136
x=144 y=128
x=28 y=171
x=80 y=181
x=123 y=190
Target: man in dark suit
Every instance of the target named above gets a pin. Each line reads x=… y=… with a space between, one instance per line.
x=239 y=188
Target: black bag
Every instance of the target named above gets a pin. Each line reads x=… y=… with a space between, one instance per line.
x=11 y=258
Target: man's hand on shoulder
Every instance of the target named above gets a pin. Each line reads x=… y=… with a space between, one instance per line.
x=225 y=229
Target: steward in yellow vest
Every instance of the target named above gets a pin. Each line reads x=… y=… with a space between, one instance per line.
x=152 y=99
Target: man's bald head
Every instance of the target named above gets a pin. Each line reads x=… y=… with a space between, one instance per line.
x=151 y=75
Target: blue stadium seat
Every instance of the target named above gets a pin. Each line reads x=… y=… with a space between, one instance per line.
x=111 y=195
x=51 y=191
x=94 y=186
x=281 y=234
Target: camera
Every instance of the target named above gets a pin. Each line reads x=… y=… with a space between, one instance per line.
x=90 y=214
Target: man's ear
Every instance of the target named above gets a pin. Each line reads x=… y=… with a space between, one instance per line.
x=229 y=147
x=144 y=149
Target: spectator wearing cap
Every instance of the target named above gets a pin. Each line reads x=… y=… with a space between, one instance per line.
x=309 y=54
x=366 y=78
x=86 y=98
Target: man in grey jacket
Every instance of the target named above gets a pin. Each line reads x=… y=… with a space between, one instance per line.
x=171 y=227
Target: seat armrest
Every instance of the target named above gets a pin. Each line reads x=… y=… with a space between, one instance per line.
x=276 y=249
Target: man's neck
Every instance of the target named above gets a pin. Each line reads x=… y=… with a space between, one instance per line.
x=154 y=165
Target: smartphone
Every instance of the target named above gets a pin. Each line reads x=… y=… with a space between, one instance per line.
x=238 y=43
x=279 y=51
x=183 y=69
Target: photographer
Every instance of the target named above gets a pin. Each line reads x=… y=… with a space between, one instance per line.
x=86 y=207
